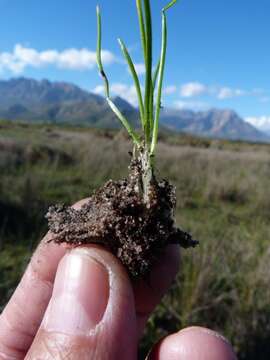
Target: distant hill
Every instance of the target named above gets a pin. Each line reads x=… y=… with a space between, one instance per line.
x=213 y=123
x=29 y=92
x=56 y=102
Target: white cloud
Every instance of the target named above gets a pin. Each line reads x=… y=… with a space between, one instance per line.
x=140 y=68
x=260 y=122
x=227 y=93
x=190 y=105
x=73 y=59
x=171 y=89
x=99 y=90
x=193 y=89
x=127 y=92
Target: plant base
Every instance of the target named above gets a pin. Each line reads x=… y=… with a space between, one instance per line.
x=118 y=217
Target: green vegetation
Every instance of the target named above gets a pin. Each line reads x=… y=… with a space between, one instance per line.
x=149 y=107
x=223 y=197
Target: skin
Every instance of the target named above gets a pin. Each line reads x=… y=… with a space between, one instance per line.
x=34 y=326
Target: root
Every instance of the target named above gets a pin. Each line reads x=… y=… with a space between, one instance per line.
x=133 y=218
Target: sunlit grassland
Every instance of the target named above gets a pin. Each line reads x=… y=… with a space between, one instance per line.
x=223 y=199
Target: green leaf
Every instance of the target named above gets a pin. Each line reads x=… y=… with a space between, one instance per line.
x=142 y=25
x=172 y=3
x=124 y=122
x=148 y=103
x=99 y=59
x=160 y=83
x=135 y=78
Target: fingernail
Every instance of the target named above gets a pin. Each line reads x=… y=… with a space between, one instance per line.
x=205 y=331
x=80 y=295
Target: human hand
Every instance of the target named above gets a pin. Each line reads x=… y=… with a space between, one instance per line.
x=79 y=304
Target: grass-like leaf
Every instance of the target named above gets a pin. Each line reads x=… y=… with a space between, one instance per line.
x=136 y=80
x=125 y=122
x=160 y=83
x=148 y=69
x=114 y=108
x=155 y=75
x=173 y=2
x=99 y=60
x=142 y=25
x=161 y=68
x=149 y=109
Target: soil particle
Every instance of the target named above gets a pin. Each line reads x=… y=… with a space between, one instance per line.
x=117 y=217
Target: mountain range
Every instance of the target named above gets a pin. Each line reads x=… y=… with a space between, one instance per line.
x=61 y=102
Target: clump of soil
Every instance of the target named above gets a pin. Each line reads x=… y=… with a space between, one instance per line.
x=118 y=217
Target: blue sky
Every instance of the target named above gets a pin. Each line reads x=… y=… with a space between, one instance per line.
x=218 y=52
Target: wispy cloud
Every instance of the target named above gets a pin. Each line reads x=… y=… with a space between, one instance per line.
x=192 y=89
x=169 y=90
x=140 y=68
x=228 y=93
x=72 y=59
x=261 y=122
x=127 y=92
x=99 y=90
x=196 y=89
x=192 y=105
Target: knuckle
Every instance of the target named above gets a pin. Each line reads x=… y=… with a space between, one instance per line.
x=58 y=346
x=8 y=353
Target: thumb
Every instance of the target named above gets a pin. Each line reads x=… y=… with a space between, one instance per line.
x=91 y=314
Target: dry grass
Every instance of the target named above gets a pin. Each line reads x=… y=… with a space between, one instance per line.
x=223 y=199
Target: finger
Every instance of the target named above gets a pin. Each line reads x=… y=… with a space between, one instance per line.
x=22 y=316
x=18 y=325
x=91 y=314
x=194 y=343
x=149 y=291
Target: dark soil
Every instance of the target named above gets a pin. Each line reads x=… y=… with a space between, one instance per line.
x=118 y=217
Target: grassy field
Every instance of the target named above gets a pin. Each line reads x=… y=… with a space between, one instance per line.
x=223 y=199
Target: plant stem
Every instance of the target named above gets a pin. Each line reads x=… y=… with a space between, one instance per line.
x=147 y=175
